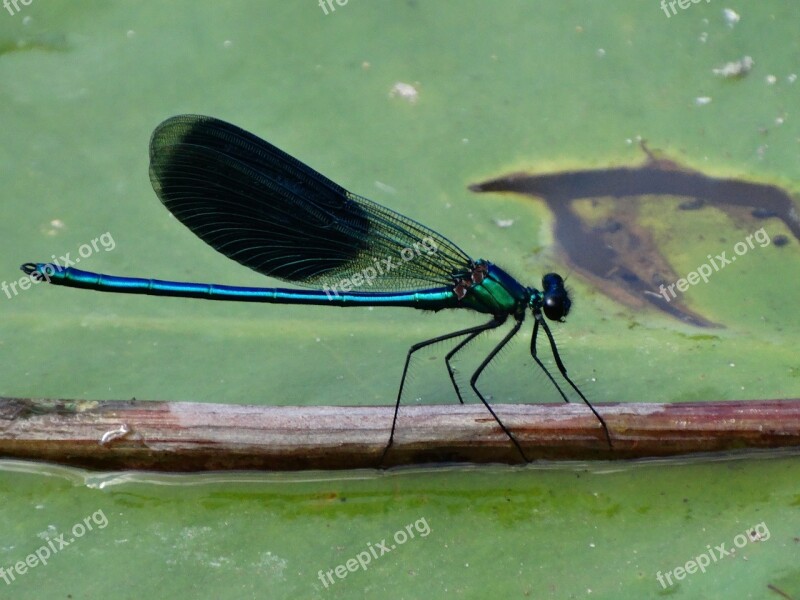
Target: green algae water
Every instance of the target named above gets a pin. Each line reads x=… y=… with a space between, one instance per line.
x=408 y=104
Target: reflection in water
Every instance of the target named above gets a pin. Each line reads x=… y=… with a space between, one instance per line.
x=617 y=252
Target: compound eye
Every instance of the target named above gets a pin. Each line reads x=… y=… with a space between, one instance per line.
x=555 y=308
x=555 y=300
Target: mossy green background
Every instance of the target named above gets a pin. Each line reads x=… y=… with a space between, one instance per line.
x=503 y=86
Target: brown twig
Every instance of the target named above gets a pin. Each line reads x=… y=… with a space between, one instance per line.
x=183 y=436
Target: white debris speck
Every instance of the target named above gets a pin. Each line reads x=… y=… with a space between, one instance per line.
x=227 y=44
x=791 y=78
x=406 y=91
x=731 y=17
x=702 y=100
x=601 y=53
x=115 y=434
x=385 y=187
x=703 y=37
x=503 y=223
x=272 y=563
x=737 y=68
x=771 y=79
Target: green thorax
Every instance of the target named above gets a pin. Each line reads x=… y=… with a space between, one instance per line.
x=489 y=289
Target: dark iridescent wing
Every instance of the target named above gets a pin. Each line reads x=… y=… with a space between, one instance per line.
x=268 y=211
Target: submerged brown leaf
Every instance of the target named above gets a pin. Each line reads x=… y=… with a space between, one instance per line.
x=616 y=252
